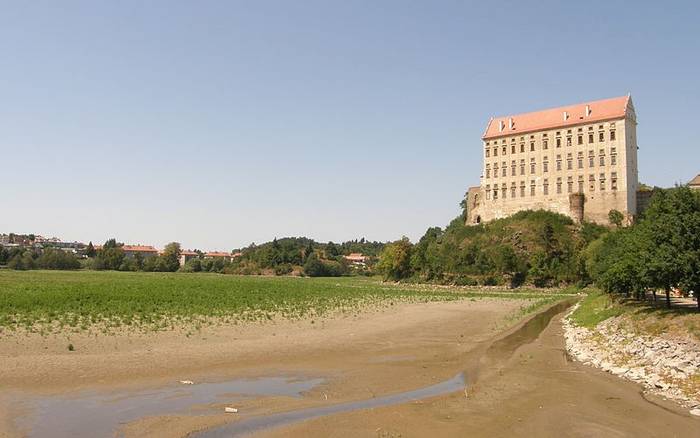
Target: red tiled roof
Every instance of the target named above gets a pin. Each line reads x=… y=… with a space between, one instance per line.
x=355 y=256
x=139 y=248
x=218 y=254
x=188 y=253
x=599 y=110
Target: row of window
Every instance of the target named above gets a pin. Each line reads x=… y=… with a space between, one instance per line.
x=493 y=193
x=568 y=139
x=545 y=163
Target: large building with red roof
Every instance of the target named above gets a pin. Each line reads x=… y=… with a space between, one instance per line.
x=579 y=160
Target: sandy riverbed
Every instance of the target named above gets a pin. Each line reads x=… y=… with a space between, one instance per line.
x=534 y=391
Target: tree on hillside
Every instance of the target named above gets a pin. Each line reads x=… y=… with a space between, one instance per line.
x=395 y=260
x=615 y=217
x=425 y=257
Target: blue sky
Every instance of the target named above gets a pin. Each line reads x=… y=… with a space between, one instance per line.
x=218 y=124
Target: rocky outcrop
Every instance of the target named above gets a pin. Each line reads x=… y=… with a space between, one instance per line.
x=670 y=368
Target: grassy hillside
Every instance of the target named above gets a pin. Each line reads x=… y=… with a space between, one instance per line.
x=539 y=247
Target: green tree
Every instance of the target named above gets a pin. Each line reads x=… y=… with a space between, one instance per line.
x=615 y=217
x=90 y=250
x=671 y=224
x=171 y=257
x=56 y=259
x=395 y=260
x=110 y=257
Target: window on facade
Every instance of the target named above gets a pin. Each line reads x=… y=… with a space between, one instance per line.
x=488 y=152
x=488 y=171
x=532 y=165
x=532 y=187
x=512 y=190
x=544 y=145
x=612 y=135
x=512 y=149
x=613 y=156
x=522 y=189
x=532 y=146
x=504 y=169
x=504 y=190
x=488 y=191
x=568 y=141
x=601 y=136
x=613 y=181
x=504 y=150
x=602 y=157
x=580 y=139
x=602 y=182
x=522 y=147
x=591 y=159
x=580 y=160
x=558 y=186
x=495 y=170
x=558 y=142
x=512 y=168
x=545 y=186
x=522 y=167
x=558 y=162
x=569 y=161
x=569 y=184
x=495 y=152
x=545 y=164
x=580 y=183
x=591 y=183
x=495 y=192
x=590 y=138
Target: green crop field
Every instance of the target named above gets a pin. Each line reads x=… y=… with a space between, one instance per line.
x=159 y=300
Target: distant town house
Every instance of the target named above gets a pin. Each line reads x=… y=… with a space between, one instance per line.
x=145 y=251
x=695 y=183
x=356 y=258
x=226 y=256
x=187 y=255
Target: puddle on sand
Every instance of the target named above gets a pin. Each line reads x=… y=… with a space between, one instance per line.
x=247 y=426
x=97 y=414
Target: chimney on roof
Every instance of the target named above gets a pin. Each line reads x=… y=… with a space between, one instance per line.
x=566 y=115
x=511 y=124
x=501 y=125
x=588 y=110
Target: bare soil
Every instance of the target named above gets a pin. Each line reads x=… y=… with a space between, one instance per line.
x=532 y=391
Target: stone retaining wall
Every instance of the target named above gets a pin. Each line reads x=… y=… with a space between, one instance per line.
x=665 y=367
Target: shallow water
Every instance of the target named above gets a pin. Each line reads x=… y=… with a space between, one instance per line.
x=99 y=414
x=254 y=424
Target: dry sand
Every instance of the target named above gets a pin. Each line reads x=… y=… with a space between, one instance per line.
x=533 y=391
